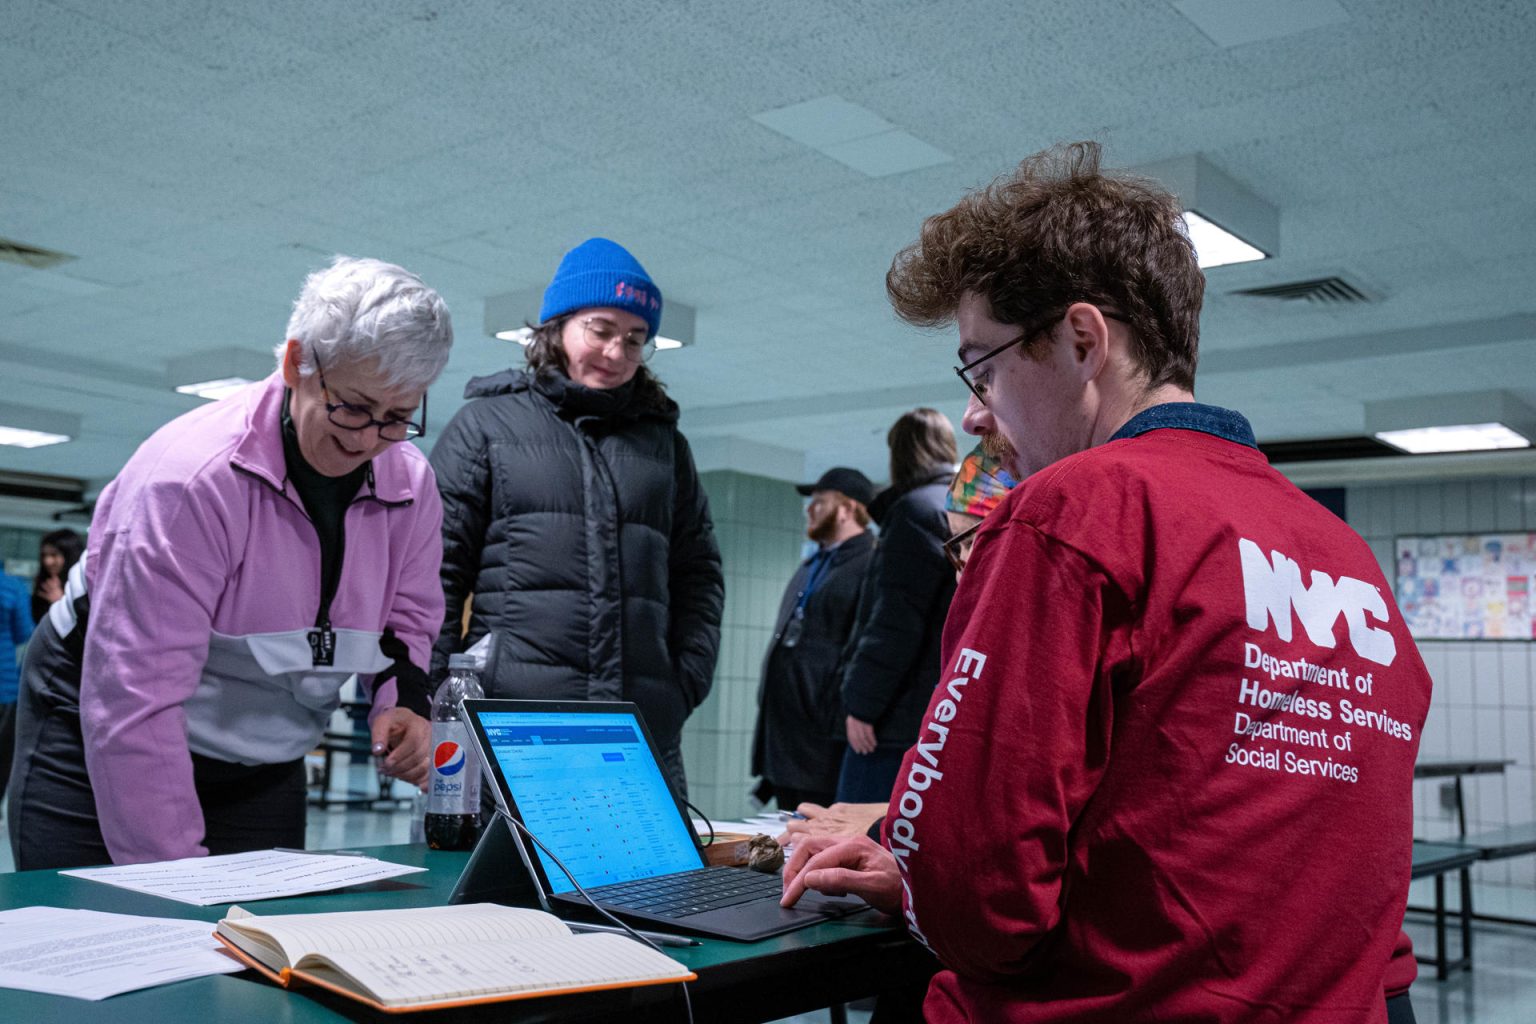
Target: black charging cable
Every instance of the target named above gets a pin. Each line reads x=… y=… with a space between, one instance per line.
x=687 y=1002
x=705 y=817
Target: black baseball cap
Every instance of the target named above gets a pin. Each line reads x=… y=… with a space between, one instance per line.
x=844 y=480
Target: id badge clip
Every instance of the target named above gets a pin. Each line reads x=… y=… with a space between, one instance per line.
x=322 y=646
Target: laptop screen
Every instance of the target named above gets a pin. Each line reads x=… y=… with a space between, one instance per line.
x=589 y=787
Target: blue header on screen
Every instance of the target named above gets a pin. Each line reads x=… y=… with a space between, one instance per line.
x=589 y=787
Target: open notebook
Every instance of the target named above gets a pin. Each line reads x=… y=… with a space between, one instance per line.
x=434 y=957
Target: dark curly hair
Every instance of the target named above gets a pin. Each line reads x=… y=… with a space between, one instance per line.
x=1058 y=231
x=545 y=354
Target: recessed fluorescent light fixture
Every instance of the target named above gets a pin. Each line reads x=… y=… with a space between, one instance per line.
x=1215 y=246
x=507 y=317
x=524 y=337
x=1464 y=437
x=18 y=437
x=1476 y=421
x=22 y=426
x=218 y=373
x=1226 y=223
x=213 y=390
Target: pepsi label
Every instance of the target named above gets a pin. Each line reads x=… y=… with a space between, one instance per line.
x=455 y=785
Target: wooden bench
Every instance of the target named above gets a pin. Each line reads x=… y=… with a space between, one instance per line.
x=1437 y=860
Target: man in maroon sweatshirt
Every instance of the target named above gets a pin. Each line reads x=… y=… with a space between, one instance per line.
x=1166 y=773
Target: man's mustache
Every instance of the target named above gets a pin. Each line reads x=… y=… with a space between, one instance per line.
x=996 y=446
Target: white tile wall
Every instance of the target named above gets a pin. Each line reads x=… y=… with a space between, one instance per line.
x=1484 y=703
x=759 y=524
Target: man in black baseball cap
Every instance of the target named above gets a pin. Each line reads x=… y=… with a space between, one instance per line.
x=849 y=482
x=798 y=745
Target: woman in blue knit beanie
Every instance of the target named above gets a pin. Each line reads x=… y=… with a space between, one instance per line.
x=573 y=516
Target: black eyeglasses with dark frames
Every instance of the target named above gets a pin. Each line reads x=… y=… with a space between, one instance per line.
x=359 y=417
x=978 y=385
x=957 y=548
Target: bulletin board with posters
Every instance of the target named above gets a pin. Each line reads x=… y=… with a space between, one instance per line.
x=1468 y=587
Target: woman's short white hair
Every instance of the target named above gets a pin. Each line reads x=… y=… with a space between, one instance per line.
x=359 y=309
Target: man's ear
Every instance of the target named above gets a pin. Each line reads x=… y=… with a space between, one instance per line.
x=1089 y=337
x=293 y=354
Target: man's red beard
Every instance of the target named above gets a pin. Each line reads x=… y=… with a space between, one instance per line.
x=823 y=529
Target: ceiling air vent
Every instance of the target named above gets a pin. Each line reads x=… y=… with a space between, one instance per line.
x=41 y=487
x=31 y=255
x=1328 y=291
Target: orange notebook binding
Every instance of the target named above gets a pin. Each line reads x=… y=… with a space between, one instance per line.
x=402 y=961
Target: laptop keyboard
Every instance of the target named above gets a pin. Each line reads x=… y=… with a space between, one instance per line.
x=690 y=892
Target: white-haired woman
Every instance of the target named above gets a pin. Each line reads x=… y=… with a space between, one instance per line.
x=251 y=555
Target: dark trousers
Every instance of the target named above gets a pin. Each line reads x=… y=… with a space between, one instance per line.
x=869 y=778
x=1400 y=1010
x=7 y=744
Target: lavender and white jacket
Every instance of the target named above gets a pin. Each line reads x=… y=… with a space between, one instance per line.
x=204 y=575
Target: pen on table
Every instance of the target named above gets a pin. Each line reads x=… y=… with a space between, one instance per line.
x=660 y=938
x=321 y=853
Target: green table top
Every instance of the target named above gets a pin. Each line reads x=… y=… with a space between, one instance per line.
x=721 y=964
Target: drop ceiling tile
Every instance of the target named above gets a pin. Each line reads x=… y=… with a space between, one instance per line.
x=1238 y=22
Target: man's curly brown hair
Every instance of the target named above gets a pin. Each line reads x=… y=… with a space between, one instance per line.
x=1058 y=231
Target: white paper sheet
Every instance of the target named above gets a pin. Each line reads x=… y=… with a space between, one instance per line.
x=769 y=823
x=243 y=877
x=92 y=955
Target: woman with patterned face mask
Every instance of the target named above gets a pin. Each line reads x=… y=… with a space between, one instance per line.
x=979 y=487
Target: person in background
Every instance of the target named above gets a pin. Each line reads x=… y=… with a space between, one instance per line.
x=15 y=630
x=978 y=487
x=574 y=517
x=251 y=556
x=797 y=748
x=1089 y=824
x=57 y=553
x=895 y=658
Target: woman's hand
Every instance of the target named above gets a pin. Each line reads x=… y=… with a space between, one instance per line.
x=402 y=742
x=51 y=589
x=846 y=820
x=861 y=736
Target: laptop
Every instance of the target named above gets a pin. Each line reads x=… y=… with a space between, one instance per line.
x=585 y=779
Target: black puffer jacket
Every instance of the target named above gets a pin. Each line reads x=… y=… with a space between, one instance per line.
x=894 y=665
x=575 y=518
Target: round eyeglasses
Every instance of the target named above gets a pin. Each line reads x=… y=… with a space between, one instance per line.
x=599 y=332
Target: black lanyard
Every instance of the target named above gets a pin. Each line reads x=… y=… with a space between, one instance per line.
x=820 y=562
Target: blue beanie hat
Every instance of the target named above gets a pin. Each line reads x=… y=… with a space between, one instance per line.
x=602 y=273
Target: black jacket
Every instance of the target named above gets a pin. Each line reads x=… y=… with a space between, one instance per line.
x=800 y=734
x=576 y=520
x=894 y=665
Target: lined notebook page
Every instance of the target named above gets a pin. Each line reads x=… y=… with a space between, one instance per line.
x=298 y=934
x=404 y=976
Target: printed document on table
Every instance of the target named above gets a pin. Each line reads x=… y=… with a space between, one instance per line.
x=241 y=877
x=92 y=955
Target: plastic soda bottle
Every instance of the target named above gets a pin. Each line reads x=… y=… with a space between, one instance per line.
x=453 y=795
